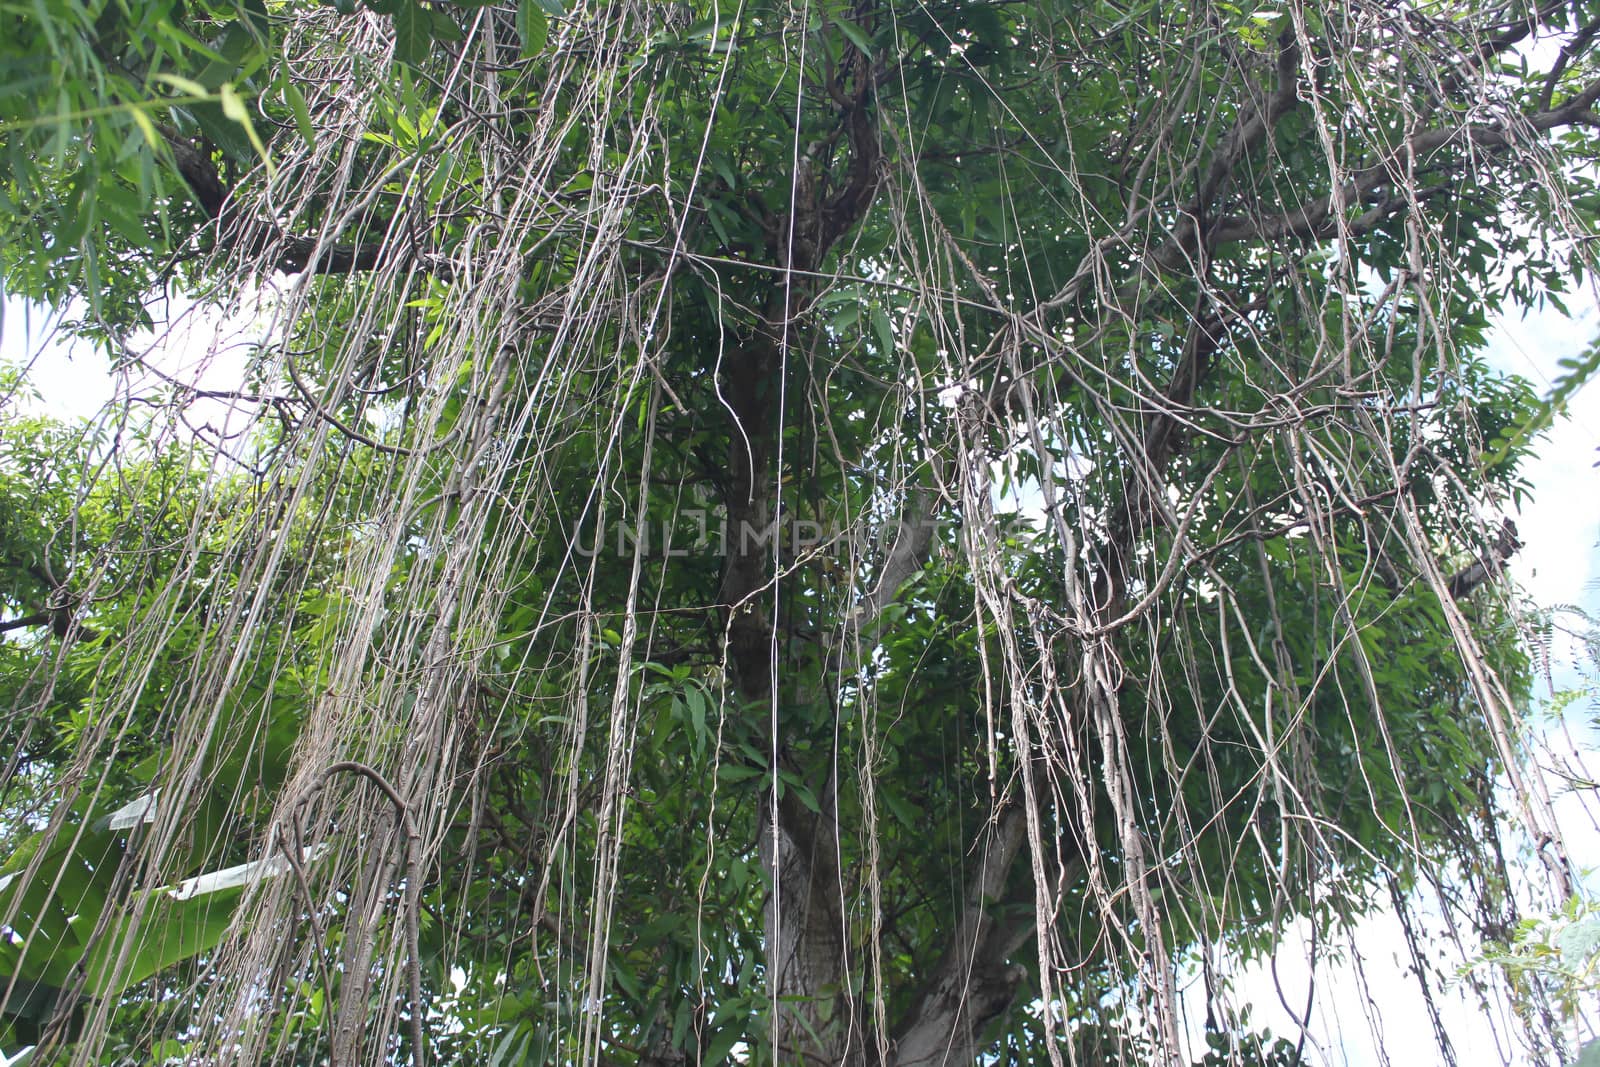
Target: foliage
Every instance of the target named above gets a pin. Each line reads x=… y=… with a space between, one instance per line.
x=1558 y=954
x=99 y=102
x=852 y=533
x=1577 y=371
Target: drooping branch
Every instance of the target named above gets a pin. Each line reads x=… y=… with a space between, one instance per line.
x=1182 y=247
x=1165 y=430
x=1248 y=133
x=61 y=618
x=1317 y=218
x=38 y=618
x=1163 y=434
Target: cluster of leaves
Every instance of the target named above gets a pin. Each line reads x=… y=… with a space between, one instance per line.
x=1555 y=958
x=1296 y=650
x=97 y=100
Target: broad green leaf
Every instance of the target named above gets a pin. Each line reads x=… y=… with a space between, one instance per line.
x=173 y=929
x=533 y=27
x=722 y=1044
x=413 y=36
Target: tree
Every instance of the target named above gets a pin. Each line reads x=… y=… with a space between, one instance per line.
x=851 y=533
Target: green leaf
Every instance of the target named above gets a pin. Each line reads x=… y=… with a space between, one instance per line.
x=698 y=711
x=222 y=131
x=238 y=45
x=903 y=813
x=233 y=107
x=173 y=929
x=856 y=35
x=513 y=1047
x=302 y=114
x=884 y=329
x=187 y=86
x=444 y=27
x=803 y=793
x=413 y=37
x=533 y=27
x=727 y=1037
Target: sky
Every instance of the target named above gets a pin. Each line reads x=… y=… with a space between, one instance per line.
x=1559 y=564
x=71 y=386
x=202 y=347
x=1561 y=526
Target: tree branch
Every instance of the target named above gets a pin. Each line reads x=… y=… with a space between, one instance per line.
x=38 y=618
x=1316 y=220
x=1489 y=565
x=260 y=239
x=973 y=983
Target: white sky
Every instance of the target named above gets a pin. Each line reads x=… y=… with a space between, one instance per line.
x=1559 y=564
x=201 y=347
x=1561 y=525
x=72 y=386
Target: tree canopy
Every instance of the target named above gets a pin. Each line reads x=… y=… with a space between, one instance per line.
x=873 y=532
